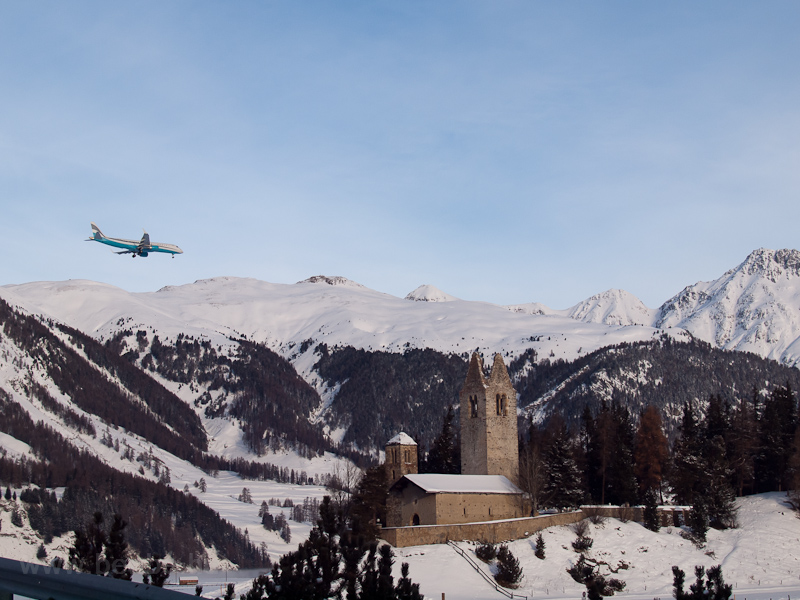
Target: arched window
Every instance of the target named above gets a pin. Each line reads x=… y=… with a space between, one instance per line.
x=415 y=519
x=497 y=403
x=473 y=404
x=503 y=405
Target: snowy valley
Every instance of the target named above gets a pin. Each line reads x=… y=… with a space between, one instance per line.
x=273 y=387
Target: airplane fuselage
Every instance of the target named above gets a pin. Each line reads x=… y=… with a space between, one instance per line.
x=136 y=248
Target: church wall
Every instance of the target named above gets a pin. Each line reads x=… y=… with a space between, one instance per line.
x=469 y=508
x=401 y=507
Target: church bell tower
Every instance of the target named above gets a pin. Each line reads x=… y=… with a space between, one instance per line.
x=489 y=444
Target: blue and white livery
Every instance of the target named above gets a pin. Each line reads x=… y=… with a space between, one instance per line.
x=141 y=248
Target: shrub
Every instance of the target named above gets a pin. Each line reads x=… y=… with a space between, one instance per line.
x=584 y=542
x=486 y=552
x=594 y=515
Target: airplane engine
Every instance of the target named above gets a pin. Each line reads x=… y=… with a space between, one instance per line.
x=143 y=254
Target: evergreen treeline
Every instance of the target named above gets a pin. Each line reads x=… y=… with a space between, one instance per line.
x=753 y=446
x=662 y=372
x=383 y=393
x=161 y=519
x=165 y=421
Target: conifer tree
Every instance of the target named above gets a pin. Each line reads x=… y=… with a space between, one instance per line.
x=743 y=443
x=86 y=554
x=564 y=487
x=445 y=454
x=117 y=550
x=621 y=480
x=650 y=512
x=687 y=458
x=509 y=572
x=651 y=451
x=406 y=589
x=532 y=474
x=540 y=546
x=776 y=435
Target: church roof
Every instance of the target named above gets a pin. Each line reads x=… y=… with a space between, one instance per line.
x=436 y=483
x=402 y=438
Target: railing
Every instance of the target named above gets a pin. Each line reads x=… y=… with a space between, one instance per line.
x=43 y=582
x=486 y=577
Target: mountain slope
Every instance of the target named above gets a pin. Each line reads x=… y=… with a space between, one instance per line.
x=613 y=307
x=754 y=307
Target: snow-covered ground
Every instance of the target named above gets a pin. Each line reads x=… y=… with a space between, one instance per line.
x=761 y=559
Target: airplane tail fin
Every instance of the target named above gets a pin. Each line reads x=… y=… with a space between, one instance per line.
x=96 y=233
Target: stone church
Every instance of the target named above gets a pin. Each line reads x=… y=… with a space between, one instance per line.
x=487 y=488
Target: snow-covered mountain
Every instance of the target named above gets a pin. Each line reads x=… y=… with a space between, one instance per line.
x=754 y=307
x=429 y=293
x=612 y=307
x=285 y=316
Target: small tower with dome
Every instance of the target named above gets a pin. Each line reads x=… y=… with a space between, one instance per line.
x=401 y=457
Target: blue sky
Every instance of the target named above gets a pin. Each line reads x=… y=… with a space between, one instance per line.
x=502 y=151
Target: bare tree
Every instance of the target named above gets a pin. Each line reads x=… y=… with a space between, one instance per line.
x=341 y=485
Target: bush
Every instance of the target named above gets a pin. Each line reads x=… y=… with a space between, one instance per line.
x=486 y=552
x=16 y=517
x=509 y=573
x=594 y=515
x=581 y=571
x=584 y=542
x=597 y=585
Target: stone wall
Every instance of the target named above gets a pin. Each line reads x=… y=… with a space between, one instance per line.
x=513 y=529
x=491 y=531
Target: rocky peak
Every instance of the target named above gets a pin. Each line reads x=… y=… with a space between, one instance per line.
x=771 y=264
x=332 y=280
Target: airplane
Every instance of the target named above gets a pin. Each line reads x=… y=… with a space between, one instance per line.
x=140 y=248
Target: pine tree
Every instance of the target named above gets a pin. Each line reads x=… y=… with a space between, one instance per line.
x=444 y=456
x=719 y=498
x=651 y=452
x=385 y=580
x=650 y=512
x=590 y=461
x=406 y=590
x=509 y=572
x=712 y=588
x=743 y=443
x=158 y=572
x=776 y=435
x=369 y=500
x=116 y=550
x=564 y=486
x=540 y=546
x=532 y=474
x=621 y=479
x=698 y=520
x=687 y=459
x=86 y=554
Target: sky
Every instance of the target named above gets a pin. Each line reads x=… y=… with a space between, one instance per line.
x=501 y=151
